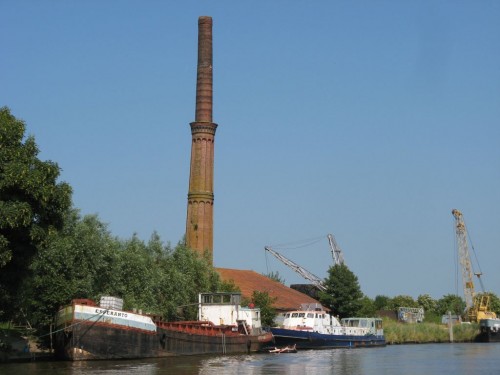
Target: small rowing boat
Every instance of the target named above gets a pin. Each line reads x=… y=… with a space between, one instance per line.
x=286 y=349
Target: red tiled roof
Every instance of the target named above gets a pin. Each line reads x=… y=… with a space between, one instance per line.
x=249 y=281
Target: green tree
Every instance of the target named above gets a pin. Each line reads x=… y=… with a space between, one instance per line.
x=382 y=302
x=402 y=301
x=137 y=274
x=494 y=303
x=275 y=276
x=429 y=305
x=181 y=274
x=80 y=261
x=450 y=302
x=427 y=302
x=265 y=302
x=367 y=307
x=32 y=205
x=343 y=294
x=228 y=286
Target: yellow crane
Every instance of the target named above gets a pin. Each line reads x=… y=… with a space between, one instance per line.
x=477 y=305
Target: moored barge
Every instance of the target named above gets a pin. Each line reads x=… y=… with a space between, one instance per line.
x=87 y=331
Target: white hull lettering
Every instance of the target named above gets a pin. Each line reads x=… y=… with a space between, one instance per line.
x=111 y=313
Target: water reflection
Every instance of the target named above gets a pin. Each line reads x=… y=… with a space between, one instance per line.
x=456 y=359
x=173 y=365
x=311 y=362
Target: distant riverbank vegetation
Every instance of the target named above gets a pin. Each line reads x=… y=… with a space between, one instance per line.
x=434 y=309
x=423 y=333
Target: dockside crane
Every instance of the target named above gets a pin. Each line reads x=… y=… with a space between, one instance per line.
x=337 y=256
x=477 y=305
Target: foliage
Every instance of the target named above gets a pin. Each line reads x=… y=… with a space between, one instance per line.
x=429 y=305
x=275 y=276
x=184 y=274
x=401 y=301
x=137 y=274
x=450 y=302
x=368 y=308
x=343 y=294
x=32 y=204
x=228 y=286
x=382 y=302
x=265 y=302
x=494 y=303
x=78 y=262
x=427 y=302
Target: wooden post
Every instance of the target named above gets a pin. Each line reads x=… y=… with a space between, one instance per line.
x=450 y=326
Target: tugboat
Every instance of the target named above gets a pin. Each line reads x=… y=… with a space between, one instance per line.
x=312 y=327
x=87 y=331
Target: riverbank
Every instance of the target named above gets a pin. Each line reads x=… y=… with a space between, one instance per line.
x=420 y=333
x=17 y=346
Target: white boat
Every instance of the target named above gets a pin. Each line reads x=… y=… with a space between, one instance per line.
x=312 y=327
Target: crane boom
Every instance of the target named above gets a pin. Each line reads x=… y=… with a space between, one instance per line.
x=300 y=270
x=337 y=256
x=477 y=306
x=464 y=258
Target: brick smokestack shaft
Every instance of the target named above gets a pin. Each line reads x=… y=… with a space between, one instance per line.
x=205 y=75
x=199 y=220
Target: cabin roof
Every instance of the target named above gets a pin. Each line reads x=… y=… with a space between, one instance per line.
x=286 y=298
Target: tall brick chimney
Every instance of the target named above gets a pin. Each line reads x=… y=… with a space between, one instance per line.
x=199 y=221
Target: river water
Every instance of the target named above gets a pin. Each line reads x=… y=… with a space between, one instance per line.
x=425 y=359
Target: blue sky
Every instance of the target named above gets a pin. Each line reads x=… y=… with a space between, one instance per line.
x=370 y=120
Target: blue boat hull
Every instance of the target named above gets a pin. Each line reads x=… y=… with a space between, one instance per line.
x=314 y=340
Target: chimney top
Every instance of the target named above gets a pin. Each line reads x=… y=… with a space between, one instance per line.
x=205 y=19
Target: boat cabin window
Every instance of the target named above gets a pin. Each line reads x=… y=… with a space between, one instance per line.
x=352 y=323
x=294 y=315
x=287 y=315
x=206 y=299
x=302 y=315
x=310 y=315
x=221 y=298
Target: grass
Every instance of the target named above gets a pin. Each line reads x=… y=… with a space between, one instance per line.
x=404 y=333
